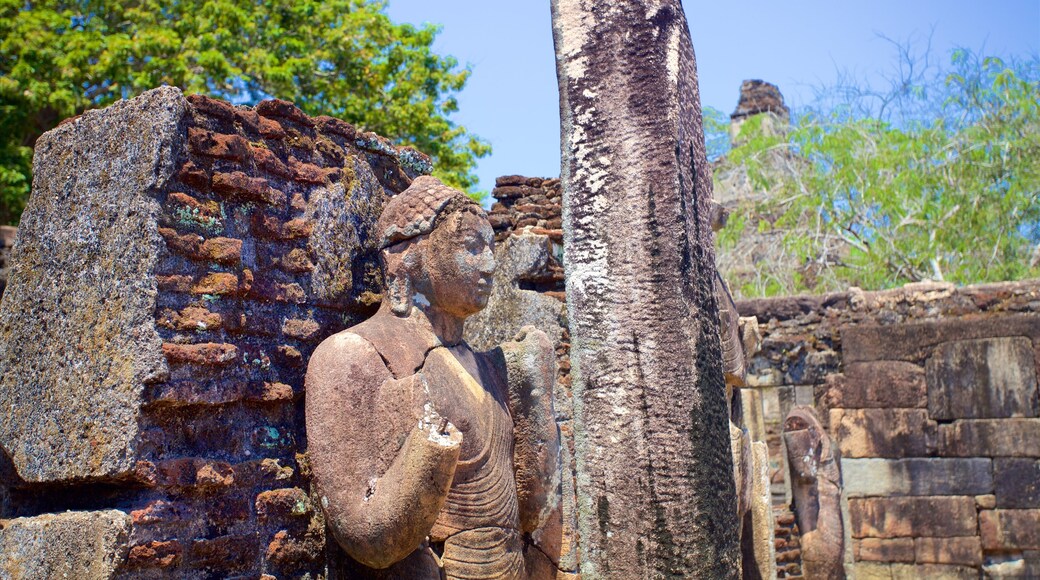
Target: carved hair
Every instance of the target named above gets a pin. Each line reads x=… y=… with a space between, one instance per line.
x=411 y=214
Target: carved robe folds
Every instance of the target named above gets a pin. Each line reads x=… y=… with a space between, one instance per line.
x=428 y=456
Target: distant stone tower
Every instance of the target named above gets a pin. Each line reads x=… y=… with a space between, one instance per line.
x=758 y=97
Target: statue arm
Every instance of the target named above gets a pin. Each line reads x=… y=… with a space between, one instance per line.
x=383 y=460
x=531 y=371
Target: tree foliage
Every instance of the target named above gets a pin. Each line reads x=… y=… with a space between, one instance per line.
x=343 y=58
x=937 y=179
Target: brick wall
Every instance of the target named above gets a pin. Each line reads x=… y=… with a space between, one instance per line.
x=262 y=251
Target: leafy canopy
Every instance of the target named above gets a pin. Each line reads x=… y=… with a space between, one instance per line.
x=343 y=58
x=938 y=179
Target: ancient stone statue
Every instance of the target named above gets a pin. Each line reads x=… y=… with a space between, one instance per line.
x=431 y=460
x=815 y=467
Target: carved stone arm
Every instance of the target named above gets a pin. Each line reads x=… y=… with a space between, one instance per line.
x=531 y=371
x=383 y=460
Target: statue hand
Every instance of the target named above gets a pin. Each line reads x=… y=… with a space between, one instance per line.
x=532 y=356
x=438 y=429
x=530 y=363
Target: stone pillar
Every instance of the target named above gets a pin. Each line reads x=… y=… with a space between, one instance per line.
x=654 y=473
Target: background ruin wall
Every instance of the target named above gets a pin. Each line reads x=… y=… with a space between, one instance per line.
x=929 y=391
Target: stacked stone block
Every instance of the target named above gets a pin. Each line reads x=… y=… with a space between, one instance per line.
x=179 y=261
x=931 y=396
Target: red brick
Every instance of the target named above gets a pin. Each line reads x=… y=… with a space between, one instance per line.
x=155 y=554
x=307 y=172
x=240 y=185
x=276 y=392
x=217 y=283
x=1010 y=529
x=144 y=473
x=791 y=555
x=174 y=283
x=296 y=261
x=273 y=228
x=892 y=433
x=962 y=551
x=213 y=475
x=194 y=472
x=263 y=472
x=883 y=550
x=283 y=504
x=246 y=283
x=185 y=244
x=289 y=356
x=194 y=176
x=212 y=107
x=225 y=552
x=222 y=250
x=190 y=318
x=210 y=208
x=279 y=292
x=208 y=353
x=160 y=512
x=286 y=549
x=301 y=329
x=217 y=145
x=298 y=202
x=271 y=129
x=248 y=119
x=279 y=109
x=895 y=517
x=267 y=161
x=187 y=392
x=337 y=126
x=298 y=228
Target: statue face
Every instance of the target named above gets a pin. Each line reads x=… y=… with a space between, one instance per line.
x=460 y=263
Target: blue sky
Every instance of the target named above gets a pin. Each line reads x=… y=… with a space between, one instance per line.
x=511 y=98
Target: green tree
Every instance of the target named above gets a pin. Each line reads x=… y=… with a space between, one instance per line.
x=938 y=179
x=343 y=58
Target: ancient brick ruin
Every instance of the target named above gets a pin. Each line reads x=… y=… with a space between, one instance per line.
x=177 y=264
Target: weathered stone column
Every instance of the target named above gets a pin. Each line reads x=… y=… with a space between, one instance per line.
x=655 y=480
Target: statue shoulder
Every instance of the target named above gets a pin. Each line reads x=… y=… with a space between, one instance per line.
x=399 y=341
x=345 y=356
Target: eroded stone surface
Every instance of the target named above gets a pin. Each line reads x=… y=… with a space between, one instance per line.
x=66 y=545
x=83 y=277
x=654 y=484
x=917 y=476
x=978 y=379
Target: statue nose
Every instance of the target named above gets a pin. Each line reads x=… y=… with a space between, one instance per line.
x=487 y=262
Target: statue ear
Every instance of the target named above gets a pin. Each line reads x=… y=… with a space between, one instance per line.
x=399 y=293
x=402 y=263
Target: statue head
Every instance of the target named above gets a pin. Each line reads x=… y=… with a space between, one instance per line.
x=437 y=249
